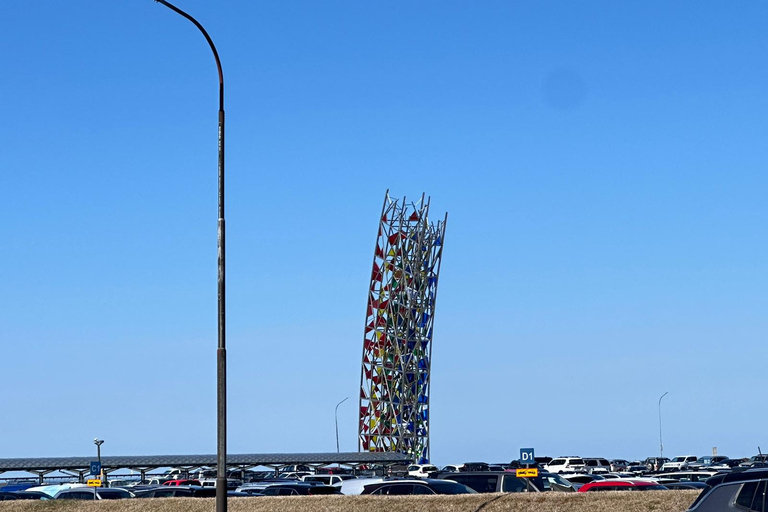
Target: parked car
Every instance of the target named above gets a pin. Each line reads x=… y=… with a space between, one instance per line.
x=755 y=461
x=597 y=466
x=294 y=468
x=685 y=486
x=636 y=468
x=327 y=479
x=706 y=461
x=619 y=465
x=475 y=466
x=23 y=495
x=298 y=489
x=725 y=465
x=356 y=486
x=452 y=468
x=93 y=493
x=622 y=485
x=182 y=482
x=738 y=490
x=580 y=479
x=495 y=481
x=176 y=491
x=686 y=476
x=565 y=465
x=655 y=463
x=417 y=486
x=679 y=463
x=421 y=470
x=259 y=485
x=557 y=483
x=53 y=489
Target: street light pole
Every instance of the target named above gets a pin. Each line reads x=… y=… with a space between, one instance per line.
x=98 y=442
x=221 y=352
x=661 y=444
x=336 y=417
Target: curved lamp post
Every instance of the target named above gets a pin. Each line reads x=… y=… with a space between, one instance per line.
x=661 y=445
x=336 y=417
x=221 y=353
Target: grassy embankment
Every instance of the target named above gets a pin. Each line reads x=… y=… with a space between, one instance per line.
x=648 y=501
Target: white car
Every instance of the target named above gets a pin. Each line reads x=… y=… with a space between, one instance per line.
x=327 y=479
x=356 y=485
x=597 y=466
x=421 y=470
x=679 y=463
x=686 y=476
x=565 y=465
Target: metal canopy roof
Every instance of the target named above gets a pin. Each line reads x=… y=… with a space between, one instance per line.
x=194 y=461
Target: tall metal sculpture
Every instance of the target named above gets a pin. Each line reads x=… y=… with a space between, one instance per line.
x=397 y=346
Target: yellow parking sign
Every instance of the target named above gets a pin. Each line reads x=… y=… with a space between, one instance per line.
x=94 y=482
x=527 y=472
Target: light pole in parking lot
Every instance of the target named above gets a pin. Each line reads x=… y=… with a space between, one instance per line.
x=661 y=444
x=221 y=352
x=98 y=442
x=336 y=417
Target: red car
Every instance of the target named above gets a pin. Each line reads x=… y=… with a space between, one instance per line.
x=182 y=482
x=621 y=485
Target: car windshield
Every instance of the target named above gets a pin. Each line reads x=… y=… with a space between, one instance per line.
x=678 y=459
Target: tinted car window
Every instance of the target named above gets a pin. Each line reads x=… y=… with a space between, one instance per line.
x=577 y=461
x=557 y=462
x=513 y=484
x=751 y=496
x=480 y=483
x=114 y=495
x=422 y=489
x=448 y=487
x=400 y=489
x=79 y=496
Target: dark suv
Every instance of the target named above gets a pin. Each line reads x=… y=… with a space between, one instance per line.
x=738 y=490
x=495 y=481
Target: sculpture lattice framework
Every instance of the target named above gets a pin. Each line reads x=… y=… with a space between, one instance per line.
x=397 y=346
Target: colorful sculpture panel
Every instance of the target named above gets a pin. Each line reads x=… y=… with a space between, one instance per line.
x=397 y=346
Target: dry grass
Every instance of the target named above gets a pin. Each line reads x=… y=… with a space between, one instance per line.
x=649 y=501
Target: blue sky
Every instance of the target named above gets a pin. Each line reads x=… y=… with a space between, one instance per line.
x=602 y=165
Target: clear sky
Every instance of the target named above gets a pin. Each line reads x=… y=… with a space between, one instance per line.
x=603 y=165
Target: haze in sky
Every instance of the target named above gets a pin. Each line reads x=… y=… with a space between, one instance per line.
x=603 y=167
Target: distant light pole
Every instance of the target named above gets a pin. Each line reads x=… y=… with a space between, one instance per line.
x=221 y=352
x=661 y=444
x=98 y=442
x=336 y=417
